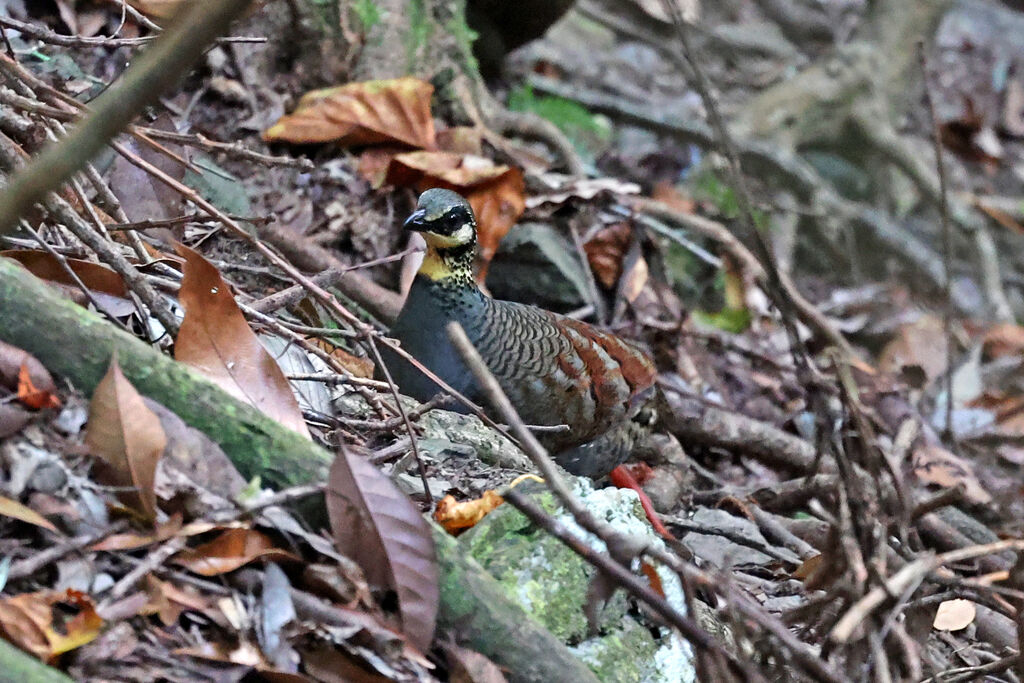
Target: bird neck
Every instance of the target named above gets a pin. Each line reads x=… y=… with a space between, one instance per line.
x=449 y=265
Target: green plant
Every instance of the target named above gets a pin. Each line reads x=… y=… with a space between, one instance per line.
x=571 y=117
x=367 y=13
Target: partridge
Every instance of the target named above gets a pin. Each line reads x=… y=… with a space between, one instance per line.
x=555 y=370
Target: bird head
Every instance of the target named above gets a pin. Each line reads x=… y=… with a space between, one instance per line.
x=444 y=218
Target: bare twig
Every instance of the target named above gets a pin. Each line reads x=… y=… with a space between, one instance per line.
x=195 y=27
x=153 y=560
x=947 y=241
x=61 y=210
x=911 y=573
x=405 y=420
x=56 y=551
x=45 y=35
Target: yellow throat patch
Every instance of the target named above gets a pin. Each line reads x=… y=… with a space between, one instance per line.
x=436 y=266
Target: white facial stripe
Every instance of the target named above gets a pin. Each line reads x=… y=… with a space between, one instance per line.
x=464 y=235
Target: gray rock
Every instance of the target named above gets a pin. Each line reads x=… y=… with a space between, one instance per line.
x=537 y=265
x=551 y=582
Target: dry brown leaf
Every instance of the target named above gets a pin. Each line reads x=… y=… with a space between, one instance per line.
x=156 y=9
x=921 y=343
x=12 y=508
x=668 y=194
x=128 y=438
x=334 y=666
x=12 y=419
x=999 y=216
x=375 y=524
x=653 y=578
x=131 y=541
x=467 y=666
x=1001 y=340
x=936 y=465
x=374 y=163
x=27 y=620
x=455 y=516
x=954 y=615
x=229 y=551
x=497 y=193
x=15 y=363
x=370 y=112
x=562 y=188
x=106 y=286
x=809 y=566
x=634 y=279
x=216 y=340
x=359 y=367
x=32 y=396
x=605 y=251
x=461 y=140
x=143 y=196
x=168 y=601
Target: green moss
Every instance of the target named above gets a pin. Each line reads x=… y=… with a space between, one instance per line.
x=709 y=187
x=538 y=571
x=616 y=658
x=464 y=37
x=368 y=14
x=571 y=117
x=326 y=15
x=419 y=33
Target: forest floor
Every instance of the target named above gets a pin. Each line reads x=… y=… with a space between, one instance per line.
x=821 y=479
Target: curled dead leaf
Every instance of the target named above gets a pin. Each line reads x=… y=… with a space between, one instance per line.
x=105 y=285
x=455 y=516
x=1003 y=339
x=33 y=396
x=921 y=343
x=936 y=465
x=28 y=621
x=18 y=367
x=369 y=112
x=12 y=508
x=231 y=550
x=605 y=251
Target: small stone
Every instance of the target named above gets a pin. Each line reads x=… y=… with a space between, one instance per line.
x=664 y=487
x=48 y=477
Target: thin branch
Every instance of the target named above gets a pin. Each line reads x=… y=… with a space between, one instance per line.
x=907 y=576
x=947 y=240
x=53 y=38
x=158 y=69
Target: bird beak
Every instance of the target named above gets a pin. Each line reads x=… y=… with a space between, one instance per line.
x=415 y=221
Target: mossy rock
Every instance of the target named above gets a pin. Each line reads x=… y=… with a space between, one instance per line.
x=550 y=582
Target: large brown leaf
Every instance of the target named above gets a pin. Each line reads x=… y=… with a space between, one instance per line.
x=143 y=196
x=231 y=550
x=497 y=193
x=374 y=523
x=12 y=508
x=216 y=340
x=370 y=112
x=105 y=285
x=27 y=620
x=128 y=438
